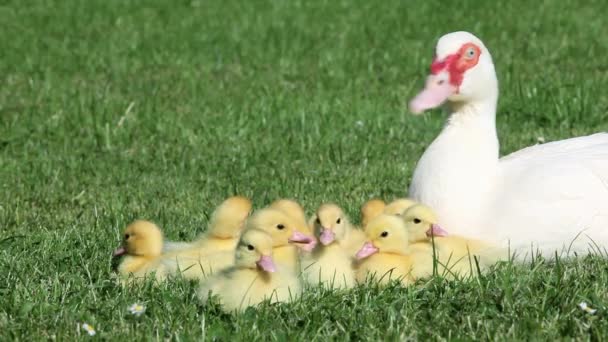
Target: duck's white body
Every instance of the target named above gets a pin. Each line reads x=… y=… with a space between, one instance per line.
x=548 y=198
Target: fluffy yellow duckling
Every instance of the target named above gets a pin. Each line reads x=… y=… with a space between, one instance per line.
x=214 y=250
x=254 y=277
x=296 y=211
x=331 y=262
x=454 y=253
x=286 y=238
x=142 y=245
x=385 y=255
x=398 y=206
x=371 y=209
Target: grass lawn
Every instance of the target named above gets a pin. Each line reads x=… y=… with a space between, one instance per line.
x=114 y=110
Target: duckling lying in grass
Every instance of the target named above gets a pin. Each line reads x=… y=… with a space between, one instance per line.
x=296 y=212
x=385 y=255
x=454 y=253
x=331 y=262
x=371 y=209
x=254 y=277
x=142 y=245
x=286 y=239
x=398 y=206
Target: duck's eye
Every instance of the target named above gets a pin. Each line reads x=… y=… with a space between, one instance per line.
x=338 y=220
x=250 y=247
x=280 y=226
x=417 y=220
x=127 y=236
x=470 y=53
x=384 y=234
x=318 y=220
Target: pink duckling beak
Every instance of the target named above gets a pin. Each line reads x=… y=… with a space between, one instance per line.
x=119 y=251
x=436 y=230
x=266 y=263
x=434 y=94
x=365 y=251
x=304 y=241
x=327 y=236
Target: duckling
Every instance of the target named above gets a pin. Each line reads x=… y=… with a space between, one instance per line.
x=371 y=209
x=454 y=253
x=385 y=255
x=398 y=206
x=142 y=244
x=331 y=263
x=296 y=211
x=286 y=238
x=253 y=278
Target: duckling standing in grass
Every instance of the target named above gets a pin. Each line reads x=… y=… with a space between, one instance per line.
x=331 y=262
x=142 y=245
x=286 y=239
x=385 y=255
x=454 y=253
x=371 y=209
x=254 y=277
x=398 y=206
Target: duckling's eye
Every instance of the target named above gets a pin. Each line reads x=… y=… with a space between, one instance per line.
x=417 y=220
x=250 y=247
x=338 y=220
x=318 y=220
x=384 y=234
x=280 y=226
x=126 y=236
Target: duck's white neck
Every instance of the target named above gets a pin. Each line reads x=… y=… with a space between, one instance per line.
x=462 y=162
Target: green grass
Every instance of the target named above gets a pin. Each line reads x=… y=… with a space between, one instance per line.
x=115 y=110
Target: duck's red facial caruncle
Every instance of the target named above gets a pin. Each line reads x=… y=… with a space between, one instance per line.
x=446 y=77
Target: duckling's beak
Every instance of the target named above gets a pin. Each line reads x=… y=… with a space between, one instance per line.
x=304 y=241
x=367 y=250
x=327 y=236
x=119 y=251
x=436 y=230
x=266 y=263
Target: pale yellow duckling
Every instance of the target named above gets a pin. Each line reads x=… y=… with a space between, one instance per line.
x=398 y=206
x=331 y=262
x=385 y=255
x=142 y=245
x=286 y=238
x=454 y=253
x=296 y=211
x=254 y=277
x=371 y=209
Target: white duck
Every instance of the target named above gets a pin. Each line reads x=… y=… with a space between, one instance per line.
x=548 y=198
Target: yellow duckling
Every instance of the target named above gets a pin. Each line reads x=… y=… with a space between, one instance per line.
x=385 y=255
x=398 y=206
x=286 y=239
x=142 y=244
x=454 y=253
x=296 y=211
x=253 y=278
x=371 y=209
x=331 y=262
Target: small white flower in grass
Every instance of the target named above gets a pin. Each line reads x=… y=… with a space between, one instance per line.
x=89 y=329
x=137 y=309
x=359 y=123
x=585 y=307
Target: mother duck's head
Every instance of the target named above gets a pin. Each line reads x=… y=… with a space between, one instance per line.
x=462 y=71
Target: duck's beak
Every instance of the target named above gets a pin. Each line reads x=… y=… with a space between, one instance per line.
x=266 y=263
x=367 y=250
x=327 y=236
x=304 y=241
x=119 y=251
x=435 y=93
x=436 y=230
